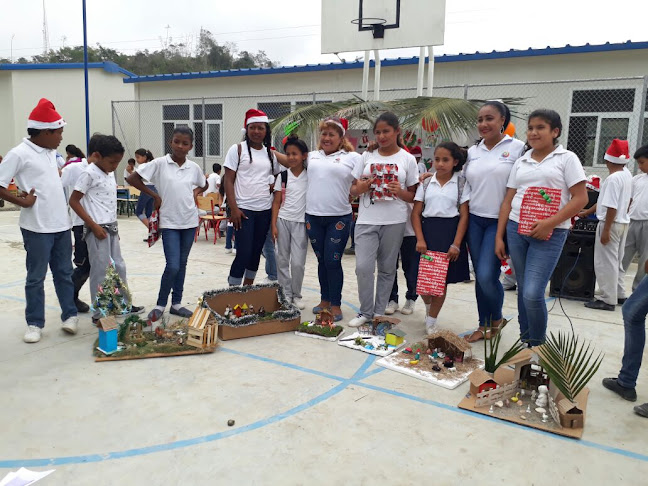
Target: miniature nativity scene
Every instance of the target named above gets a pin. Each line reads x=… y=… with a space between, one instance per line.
x=543 y=387
x=379 y=336
x=253 y=310
x=443 y=359
x=323 y=327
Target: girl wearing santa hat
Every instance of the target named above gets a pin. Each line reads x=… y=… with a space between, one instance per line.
x=44 y=220
x=250 y=168
x=535 y=255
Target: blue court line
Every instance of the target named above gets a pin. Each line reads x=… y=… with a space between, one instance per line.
x=375 y=371
x=21 y=299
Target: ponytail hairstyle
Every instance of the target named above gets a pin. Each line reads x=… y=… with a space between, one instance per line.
x=392 y=120
x=551 y=117
x=458 y=153
x=144 y=153
x=503 y=110
x=267 y=141
x=74 y=150
x=336 y=123
x=297 y=142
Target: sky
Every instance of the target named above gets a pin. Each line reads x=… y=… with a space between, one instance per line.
x=289 y=30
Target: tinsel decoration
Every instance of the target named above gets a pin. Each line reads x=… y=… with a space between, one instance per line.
x=286 y=312
x=113 y=297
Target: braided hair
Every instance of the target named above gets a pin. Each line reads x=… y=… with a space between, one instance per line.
x=267 y=141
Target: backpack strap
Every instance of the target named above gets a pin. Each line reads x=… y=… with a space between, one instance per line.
x=238 y=146
x=284 y=178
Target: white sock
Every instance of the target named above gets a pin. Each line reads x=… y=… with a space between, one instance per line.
x=430 y=321
x=177 y=306
x=427 y=309
x=160 y=308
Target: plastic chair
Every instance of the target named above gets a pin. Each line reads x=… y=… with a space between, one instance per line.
x=208 y=220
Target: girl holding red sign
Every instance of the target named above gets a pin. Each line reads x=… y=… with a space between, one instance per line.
x=440 y=221
x=547 y=176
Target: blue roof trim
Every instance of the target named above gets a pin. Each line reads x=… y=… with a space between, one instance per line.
x=108 y=66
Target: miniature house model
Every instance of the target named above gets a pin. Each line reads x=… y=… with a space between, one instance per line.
x=201 y=332
x=325 y=318
x=527 y=373
x=480 y=382
x=451 y=345
x=394 y=337
x=107 y=334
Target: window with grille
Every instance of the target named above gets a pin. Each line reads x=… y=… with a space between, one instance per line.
x=207 y=129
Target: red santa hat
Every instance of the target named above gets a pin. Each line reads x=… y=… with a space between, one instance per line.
x=45 y=117
x=593 y=183
x=343 y=123
x=416 y=151
x=618 y=152
x=255 y=116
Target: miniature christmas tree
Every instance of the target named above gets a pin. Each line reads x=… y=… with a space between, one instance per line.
x=113 y=297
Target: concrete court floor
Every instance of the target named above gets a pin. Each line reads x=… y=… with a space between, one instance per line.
x=306 y=411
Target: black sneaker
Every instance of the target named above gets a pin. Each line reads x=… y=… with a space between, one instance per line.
x=612 y=384
x=641 y=410
x=136 y=309
x=182 y=312
x=622 y=300
x=599 y=305
x=81 y=306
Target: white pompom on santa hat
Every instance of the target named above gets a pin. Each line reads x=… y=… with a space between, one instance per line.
x=618 y=152
x=45 y=116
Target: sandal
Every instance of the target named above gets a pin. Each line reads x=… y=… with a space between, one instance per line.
x=483 y=333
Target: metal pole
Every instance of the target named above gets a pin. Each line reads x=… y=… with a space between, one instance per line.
x=365 y=75
x=465 y=91
x=430 y=80
x=642 y=117
x=85 y=74
x=112 y=112
x=204 y=138
x=421 y=72
x=376 y=75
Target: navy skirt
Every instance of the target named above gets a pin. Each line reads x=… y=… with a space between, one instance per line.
x=439 y=234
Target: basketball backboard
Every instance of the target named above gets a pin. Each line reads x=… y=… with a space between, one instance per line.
x=361 y=25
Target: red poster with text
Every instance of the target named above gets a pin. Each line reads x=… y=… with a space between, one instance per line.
x=538 y=203
x=433 y=270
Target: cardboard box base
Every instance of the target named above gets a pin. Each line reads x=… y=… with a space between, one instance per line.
x=189 y=352
x=225 y=333
x=468 y=403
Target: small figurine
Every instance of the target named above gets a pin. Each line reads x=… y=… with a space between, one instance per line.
x=545 y=418
x=228 y=311
x=490 y=410
x=250 y=310
x=543 y=392
x=534 y=395
x=516 y=397
x=407 y=351
x=528 y=410
x=245 y=309
x=448 y=362
x=436 y=367
x=262 y=311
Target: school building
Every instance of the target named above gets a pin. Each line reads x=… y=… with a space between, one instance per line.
x=599 y=90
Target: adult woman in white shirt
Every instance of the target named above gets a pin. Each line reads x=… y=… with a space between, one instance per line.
x=534 y=256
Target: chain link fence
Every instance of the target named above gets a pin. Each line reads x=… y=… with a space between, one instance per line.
x=593 y=112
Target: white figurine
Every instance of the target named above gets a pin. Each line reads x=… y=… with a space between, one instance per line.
x=543 y=393
x=228 y=311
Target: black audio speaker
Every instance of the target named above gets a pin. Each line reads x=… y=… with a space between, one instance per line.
x=581 y=281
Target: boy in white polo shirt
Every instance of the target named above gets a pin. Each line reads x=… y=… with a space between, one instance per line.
x=612 y=213
x=44 y=220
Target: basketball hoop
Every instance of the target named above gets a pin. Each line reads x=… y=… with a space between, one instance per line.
x=374 y=24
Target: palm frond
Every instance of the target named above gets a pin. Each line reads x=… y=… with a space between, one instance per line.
x=569 y=363
x=490 y=356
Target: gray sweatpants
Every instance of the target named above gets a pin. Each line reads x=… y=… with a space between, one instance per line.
x=636 y=242
x=607 y=262
x=292 y=245
x=100 y=253
x=376 y=244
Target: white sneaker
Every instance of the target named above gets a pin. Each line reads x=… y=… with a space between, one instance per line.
x=228 y=250
x=431 y=329
x=71 y=325
x=408 y=308
x=299 y=303
x=234 y=251
x=32 y=334
x=391 y=308
x=358 y=321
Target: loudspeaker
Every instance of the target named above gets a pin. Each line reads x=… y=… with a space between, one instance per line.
x=581 y=281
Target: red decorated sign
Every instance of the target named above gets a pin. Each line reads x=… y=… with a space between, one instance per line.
x=433 y=270
x=538 y=203
x=154 y=232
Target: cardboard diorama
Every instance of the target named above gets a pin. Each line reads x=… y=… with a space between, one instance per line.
x=254 y=310
x=443 y=359
x=132 y=339
x=379 y=336
x=323 y=327
x=521 y=391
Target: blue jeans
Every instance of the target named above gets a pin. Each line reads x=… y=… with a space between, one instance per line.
x=534 y=262
x=144 y=207
x=269 y=255
x=410 y=261
x=634 y=322
x=328 y=236
x=177 y=245
x=229 y=233
x=488 y=289
x=55 y=250
x=250 y=238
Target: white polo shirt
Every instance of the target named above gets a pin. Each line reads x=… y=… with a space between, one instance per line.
x=34 y=167
x=329 y=182
x=487 y=173
x=99 y=194
x=441 y=201
x=615 y=193
x=383 y=212
x=294 y=206
x=561 y=169
x=639 y=208
x=69 y=178
x=175 y=185
x=253 y=179
x=214 y=183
